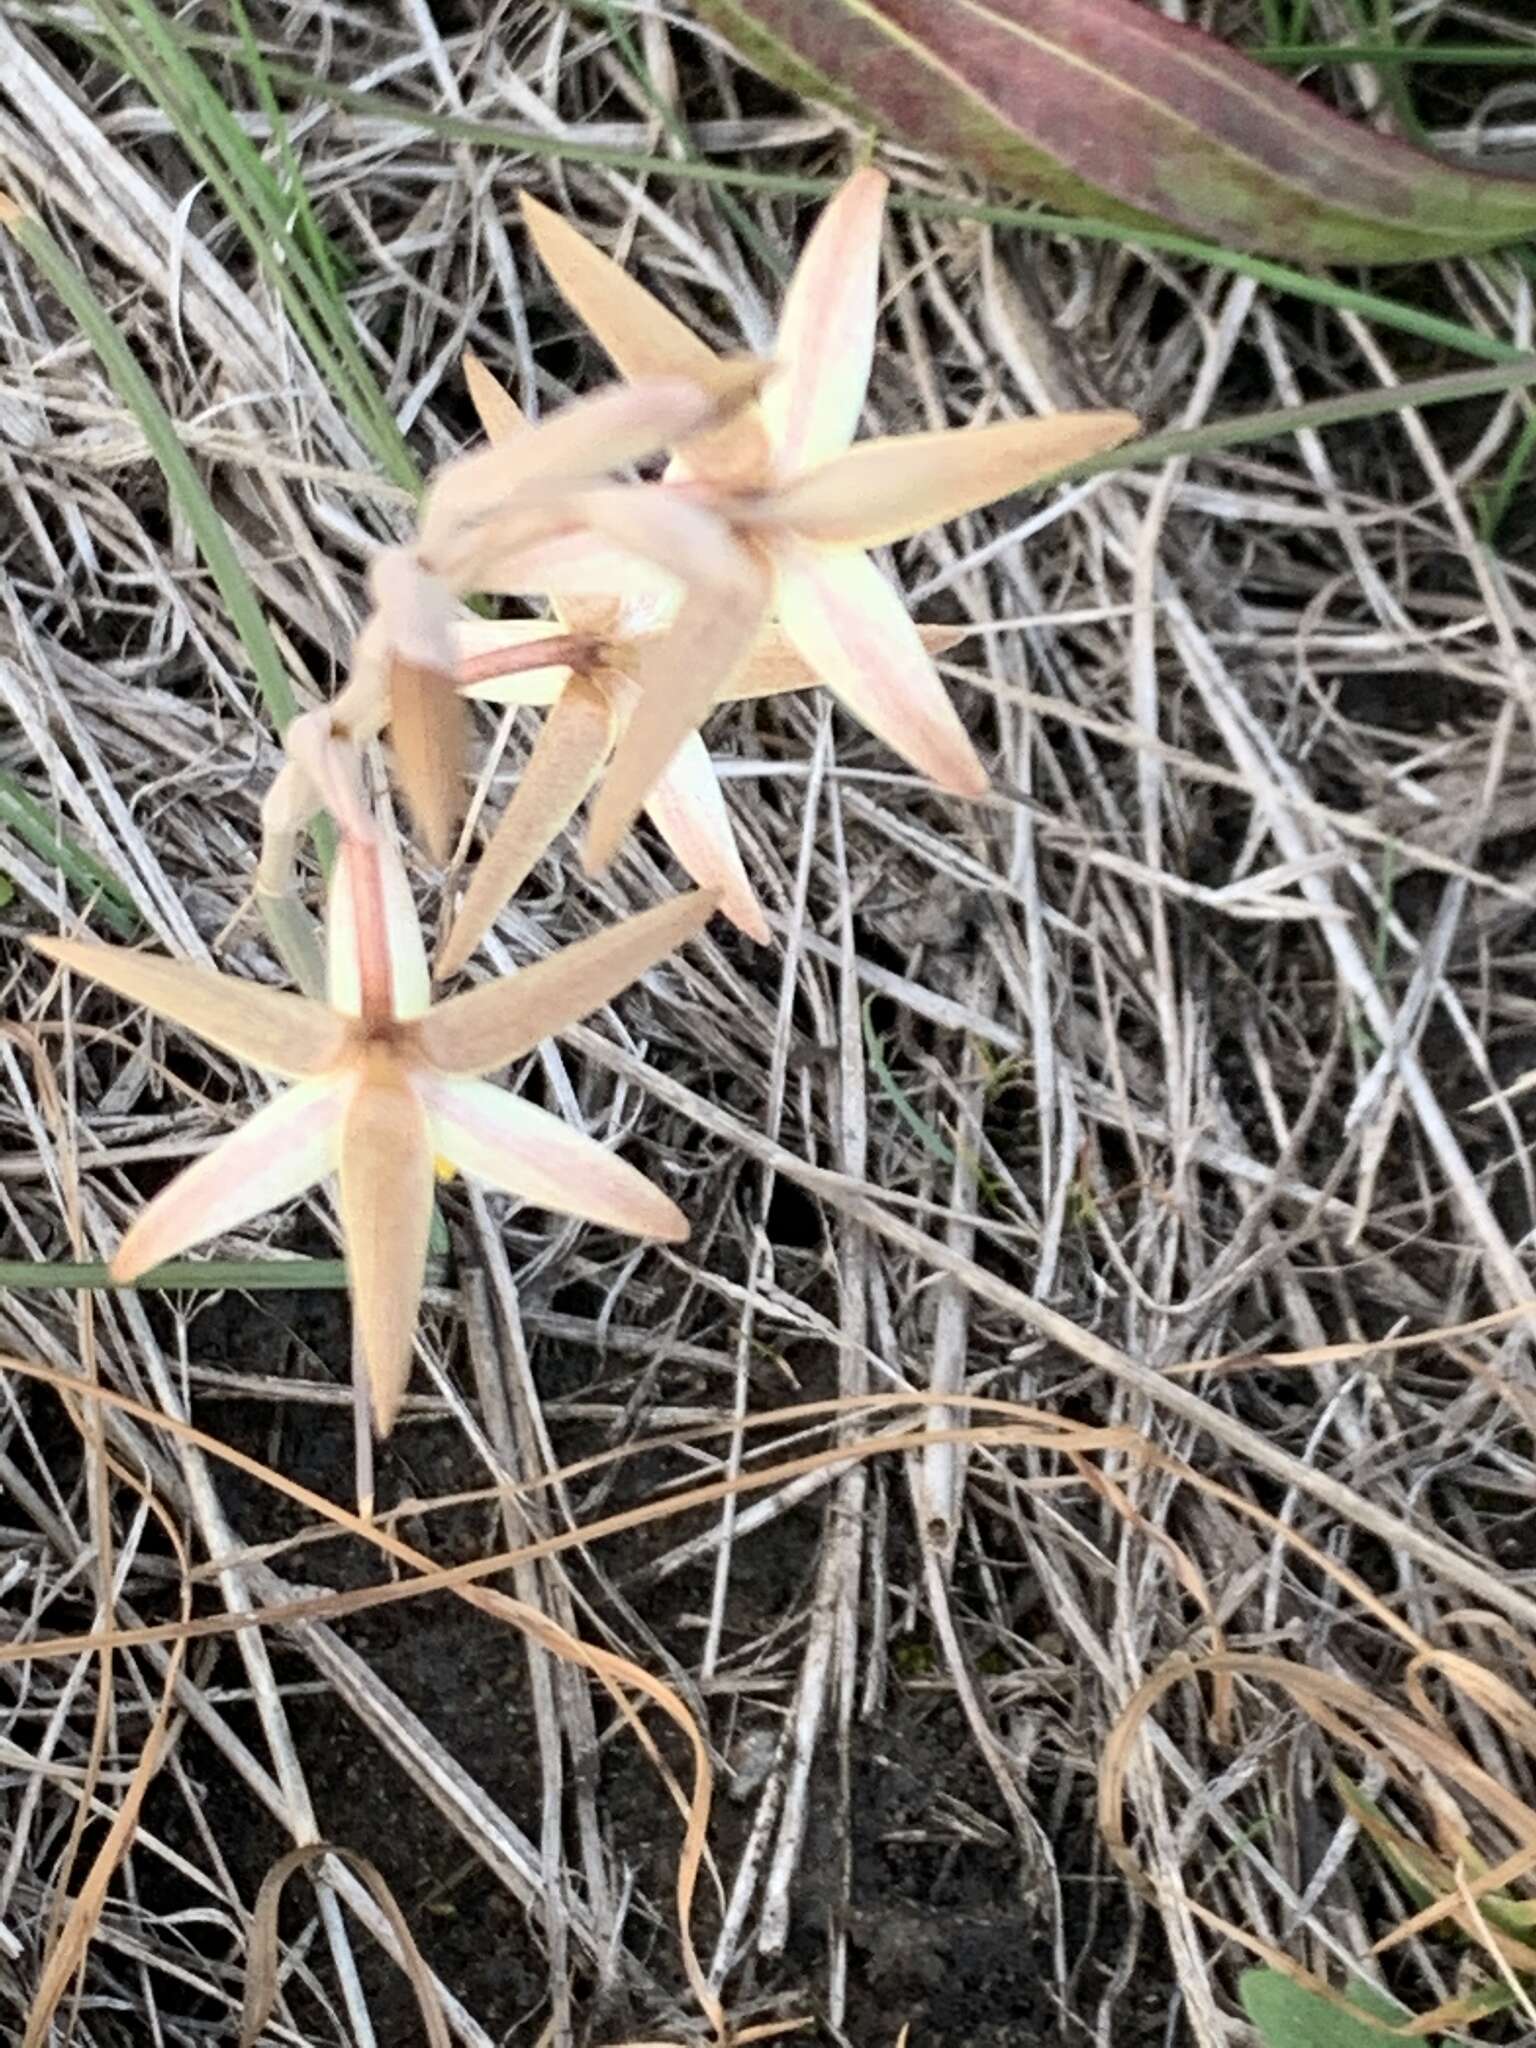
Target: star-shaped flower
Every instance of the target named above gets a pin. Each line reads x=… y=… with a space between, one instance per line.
x=386 y=1083
x=551 y=482
x=801 y=501
x=600 y=650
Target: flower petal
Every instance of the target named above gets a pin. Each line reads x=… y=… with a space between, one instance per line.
x=526 y=1152
x=827 y=330
x=645 y=340
x=775 y=665
x=479 y=642
x=286 y=1147
x=885 y=490
x=266 y=1027
x=566 y=757
x=498 y=412
x=688 y=808
x=485 y=1027
x=386 y=1213
x=851 y=625
x=410 y=983
x=581 y=443
x=681 y=672
x=430 y=730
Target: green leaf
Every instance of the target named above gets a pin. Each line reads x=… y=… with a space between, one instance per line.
x=1289 y=2015
x=1109 y=108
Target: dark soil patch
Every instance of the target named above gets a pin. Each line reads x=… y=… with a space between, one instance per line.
x=948 y=1930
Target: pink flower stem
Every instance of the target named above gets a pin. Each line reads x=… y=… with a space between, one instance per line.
x=560 y=650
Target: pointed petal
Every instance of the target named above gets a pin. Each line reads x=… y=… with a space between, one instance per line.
x=526 y=1152
x=498 y=412
x=681 y=672
x=529 y=688
x=266 y=1027
x=486 y=1027
x=887 y=489
x=851 y=625
x=386 y=1213
x=827 y=331
x=430 y=730
x=644 y=339
x=620 y=424
x=775 y=665
x=279 y=1152
x=566 y=757
x=410 y=983
x=688 y=808
x=413 y=615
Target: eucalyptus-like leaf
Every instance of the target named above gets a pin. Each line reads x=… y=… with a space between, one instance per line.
x=1114 y=109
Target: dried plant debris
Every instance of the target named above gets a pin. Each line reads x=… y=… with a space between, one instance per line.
x=1166 y=1097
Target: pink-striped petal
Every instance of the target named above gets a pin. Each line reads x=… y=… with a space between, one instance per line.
x=885 y=490
x=489 y=1134
x=275 y=1155
x=687 y=806
x=410 y=983
x=679 y=673
x=827 y=332
x=385 y=1199
x=851 y=625
x=776 y=666
x=266 y=1027
x=566 y=757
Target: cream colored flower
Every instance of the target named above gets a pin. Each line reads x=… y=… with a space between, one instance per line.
x=386 y=1083
x=785 y=480
x=611 y=645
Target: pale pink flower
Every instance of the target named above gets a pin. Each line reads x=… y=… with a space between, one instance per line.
x=802 y=502
x=551 y=482
x=385 y=1084
x=605 y=651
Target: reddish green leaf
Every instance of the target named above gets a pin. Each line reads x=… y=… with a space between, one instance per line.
x=1108 y=108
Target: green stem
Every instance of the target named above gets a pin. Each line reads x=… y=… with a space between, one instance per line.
x=256 y=1276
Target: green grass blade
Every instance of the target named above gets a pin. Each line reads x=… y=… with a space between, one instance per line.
x=143 y=45
x=182 y=480
x=256 y=1276
x=1272 y=424
x=1496 y=505
x=1493 y=56
x=33 y=825
x=159 y=430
